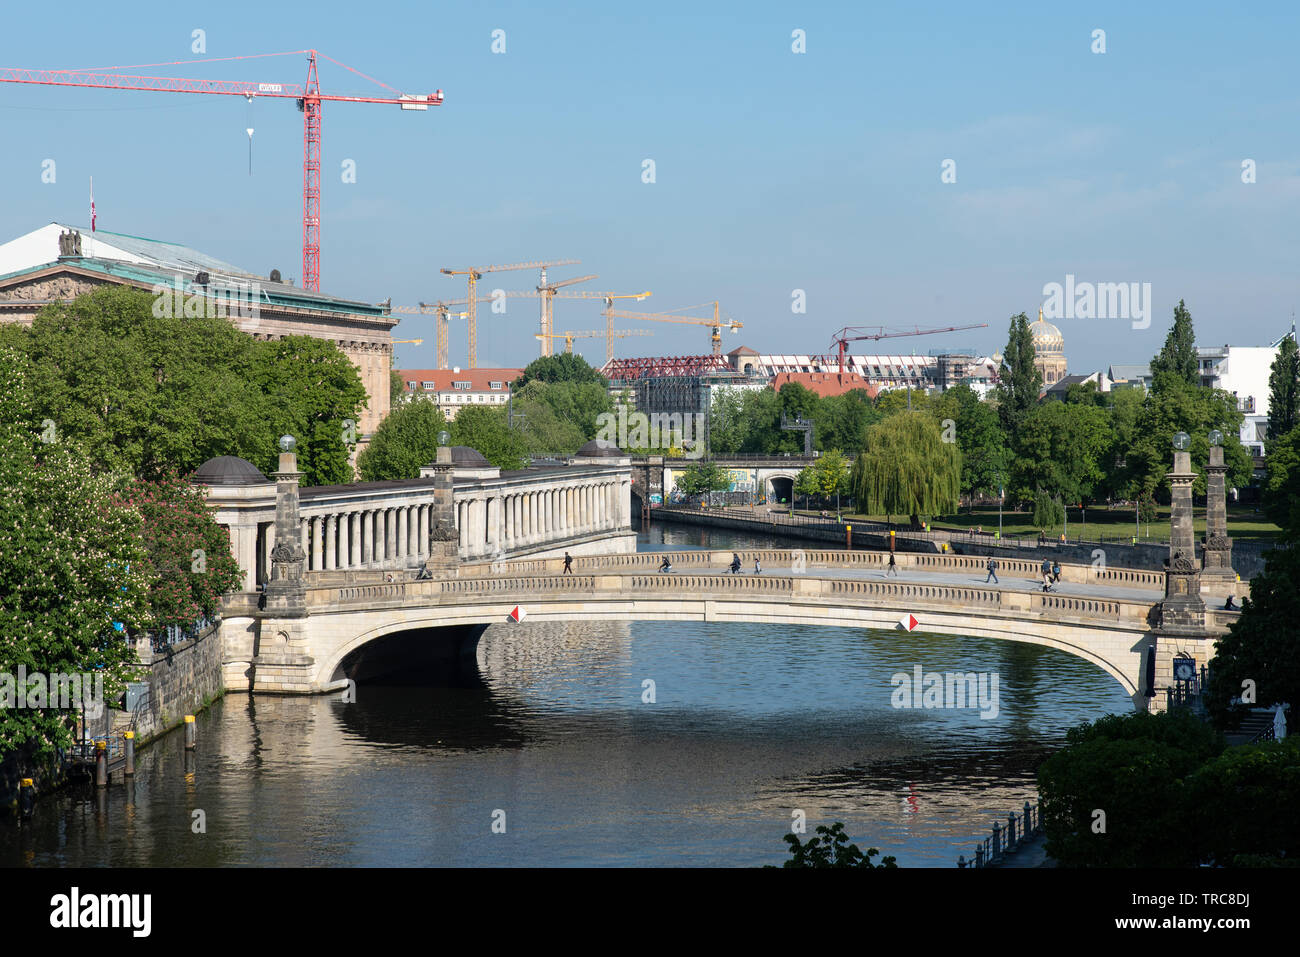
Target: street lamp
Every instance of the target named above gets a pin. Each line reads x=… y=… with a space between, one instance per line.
x=444 y=437
x=1216 y=437
x=288 y=443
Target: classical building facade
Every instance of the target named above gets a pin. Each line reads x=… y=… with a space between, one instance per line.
x=57 y=263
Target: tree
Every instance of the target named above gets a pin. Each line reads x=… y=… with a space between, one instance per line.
x=563 y=367
x=1176 y=362
x=155 y=395
x=73 y=579
x=1019 y=380
x=544 y=431
x=1284 y=389
x=1281 y=491
x=188 y=556
x=405 y=442
x=831 y=473
x=842 y=420
x=1197 y=411
x=573 y=403
x=1262 y=645
x=313 y=392
x=984 y=455
x=1049 y=513
x=1061 y=449
x=396 y=388
x=1234 y=809
x=1132 y=768
x=805 y=483
x=905 y=468
x=484 y=429
x=702 y=478
x=832 y=849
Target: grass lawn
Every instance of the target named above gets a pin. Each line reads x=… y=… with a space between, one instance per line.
x=1243 y=522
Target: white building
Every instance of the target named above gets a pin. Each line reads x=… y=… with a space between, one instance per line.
x=1243 y=371
x=453 y=389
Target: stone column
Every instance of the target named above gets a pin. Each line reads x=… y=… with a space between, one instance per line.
x=462 y=509
x=327 y=524
x=316 y=551
x=494 y=522
x=422 y=531
x=245 y=544
x=345 y=551
x=532 y=517
x=286 y=595
x=1182 y=613
x=443 y=543
x=1218 y=569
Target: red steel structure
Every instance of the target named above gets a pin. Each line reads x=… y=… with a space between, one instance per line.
x=626 y=370
x=309 y=98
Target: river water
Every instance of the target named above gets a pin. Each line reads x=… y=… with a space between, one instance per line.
x=644 y=743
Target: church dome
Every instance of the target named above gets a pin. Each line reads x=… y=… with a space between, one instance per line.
x=1047 y=338
x=228 y=470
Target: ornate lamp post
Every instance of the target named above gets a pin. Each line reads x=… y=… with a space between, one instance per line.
x=285 y=592
x=1218 y=546
x=444 y=540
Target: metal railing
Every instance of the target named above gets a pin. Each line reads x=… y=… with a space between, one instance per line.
x=1005 y=841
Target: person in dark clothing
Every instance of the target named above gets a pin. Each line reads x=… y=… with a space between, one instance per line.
x=568 y=564
x=1046 y=568
x=893 y=566
x=735 y=563
x=665 y=565
x=992 y=566
x=1229 y=605
x=1056 y=573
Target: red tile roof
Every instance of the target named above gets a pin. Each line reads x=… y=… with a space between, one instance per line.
x=825 y=383
x=480 y=380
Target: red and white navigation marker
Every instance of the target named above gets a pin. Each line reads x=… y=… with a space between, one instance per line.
x=517 y=615
x=908 y=622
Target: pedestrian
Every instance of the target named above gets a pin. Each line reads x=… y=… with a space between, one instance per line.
x=992 y=566
x=666 y=565
x=1229 y=605
x=568 y=564
x=1056 y=572
x=1047 y=581
x=893 y=566
x=758 y=569
x=1045 y=568
x=735 y=563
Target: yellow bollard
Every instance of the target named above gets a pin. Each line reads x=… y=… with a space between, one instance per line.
x=189 y=732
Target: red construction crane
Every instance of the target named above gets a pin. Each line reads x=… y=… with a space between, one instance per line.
x=841 y=340
x=308 y=96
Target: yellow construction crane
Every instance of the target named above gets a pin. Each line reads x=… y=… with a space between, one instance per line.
x=568 y=337
x=475 y=273
x=715 y=323
x=414 y=342
x=547 y=291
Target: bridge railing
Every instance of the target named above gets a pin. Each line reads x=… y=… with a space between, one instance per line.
x=1005 y=841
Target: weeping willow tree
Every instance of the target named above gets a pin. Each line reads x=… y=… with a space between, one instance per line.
x=905 y=468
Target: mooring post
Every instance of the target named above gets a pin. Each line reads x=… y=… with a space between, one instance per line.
x=26 y=798
x=129 y=746
x=848 y=537
x=101 y=764
x=189 y=732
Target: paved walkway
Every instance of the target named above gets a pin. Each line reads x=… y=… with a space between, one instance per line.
x=1007 y=582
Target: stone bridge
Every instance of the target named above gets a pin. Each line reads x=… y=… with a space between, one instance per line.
x=1109 y=616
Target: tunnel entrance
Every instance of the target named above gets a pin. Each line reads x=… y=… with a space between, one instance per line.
x=780 y=490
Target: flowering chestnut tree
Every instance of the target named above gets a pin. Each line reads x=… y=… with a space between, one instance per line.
x=188 y=556
x=73 y=576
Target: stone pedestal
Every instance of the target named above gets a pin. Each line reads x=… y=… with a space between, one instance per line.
x=1218 y=571
x=280 y=662
x=444 y=540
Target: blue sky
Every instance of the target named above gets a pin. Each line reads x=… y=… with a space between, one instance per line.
x=775 y=171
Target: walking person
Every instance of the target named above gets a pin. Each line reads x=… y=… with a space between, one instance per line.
x=893 y=566
x=1056 y=573
x=1047 y=581
x=992 y=566
x=568 y=564
x=735 y=563
x=758 y=569
x=1045 y=568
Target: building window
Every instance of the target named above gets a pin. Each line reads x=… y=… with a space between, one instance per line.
x=460 y=385
x=428 y=386
x=410 y=385
x=495 y=385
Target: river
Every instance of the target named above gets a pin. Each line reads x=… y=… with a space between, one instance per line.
x=554 y=754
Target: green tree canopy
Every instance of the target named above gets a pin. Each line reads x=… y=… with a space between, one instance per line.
x=153 y=395
x=978 y=433
x=1281 y=491
x=1197 y=411
x=572 y=403
x=563 y=367
x=1284 y=390
x=405 y=442
x=484 y=429
x=72 y=568
x=1176 y=362
x=905 y=468
x=702 y=477
x=1062 y=449
x=1019 y=380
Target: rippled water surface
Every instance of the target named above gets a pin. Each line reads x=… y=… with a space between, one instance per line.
x=748 y=723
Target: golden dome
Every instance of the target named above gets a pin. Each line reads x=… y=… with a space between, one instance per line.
x=1047 y=338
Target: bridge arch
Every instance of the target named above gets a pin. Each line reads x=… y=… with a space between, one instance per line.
x=779 y=486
